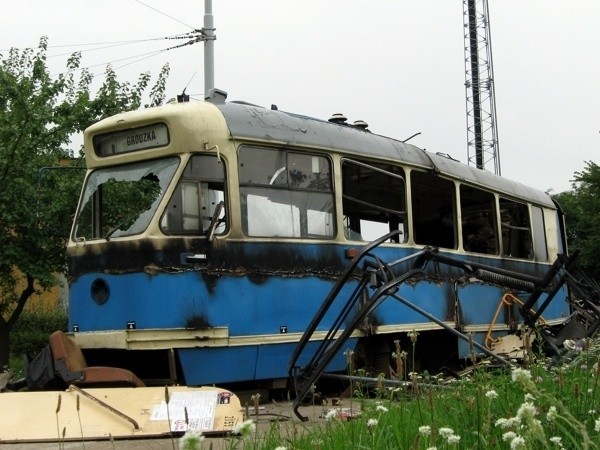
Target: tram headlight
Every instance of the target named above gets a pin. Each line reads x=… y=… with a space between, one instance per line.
x=100 y=291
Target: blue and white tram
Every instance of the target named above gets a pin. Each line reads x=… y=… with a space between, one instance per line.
x=209 y=233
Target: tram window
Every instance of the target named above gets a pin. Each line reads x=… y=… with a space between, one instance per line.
x=373 y=200
x=196 y=197
x=433 y=210
x=478 y=211
x=121 y=200
x=539 y=234
x=285 y=194
x=516 y=230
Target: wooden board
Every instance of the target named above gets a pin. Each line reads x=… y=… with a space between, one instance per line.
x=117 y=412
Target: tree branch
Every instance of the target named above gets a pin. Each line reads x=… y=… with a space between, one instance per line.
x=21 y=303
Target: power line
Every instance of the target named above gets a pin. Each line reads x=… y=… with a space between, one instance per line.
x=196 y=35
x=192 y=38
x=106 y=44
x=103 y=47
x=165 y=14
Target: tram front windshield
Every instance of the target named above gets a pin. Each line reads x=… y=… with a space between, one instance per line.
x=120 y=201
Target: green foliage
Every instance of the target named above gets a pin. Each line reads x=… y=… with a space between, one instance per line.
x=582 y=216
x=543 y=406
x=32 y=329
x=39 y=114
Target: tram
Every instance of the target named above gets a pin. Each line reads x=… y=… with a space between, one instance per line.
x=209 y=234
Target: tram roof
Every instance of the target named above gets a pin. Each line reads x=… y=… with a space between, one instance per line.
x=253 y=122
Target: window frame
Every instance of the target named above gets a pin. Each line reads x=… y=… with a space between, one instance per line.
x=282 y=186
x=201 y=231
x=353 y=226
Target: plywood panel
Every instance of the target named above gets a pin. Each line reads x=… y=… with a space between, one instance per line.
x=117 y=412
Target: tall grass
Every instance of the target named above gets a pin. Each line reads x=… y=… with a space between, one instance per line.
x=545 y=406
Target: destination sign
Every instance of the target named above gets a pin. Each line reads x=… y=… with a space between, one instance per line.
x=131 y=140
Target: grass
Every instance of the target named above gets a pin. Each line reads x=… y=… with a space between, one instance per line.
x=17 y=365
x=542 y=406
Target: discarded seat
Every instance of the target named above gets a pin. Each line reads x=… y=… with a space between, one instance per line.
x=71 y=367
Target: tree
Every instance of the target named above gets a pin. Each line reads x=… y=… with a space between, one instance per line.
x=40 y=114
x=582 y=217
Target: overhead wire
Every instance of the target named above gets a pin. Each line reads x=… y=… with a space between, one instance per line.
x=192 y=37
x=165 y=14
x=143 y=56
x=104 y=45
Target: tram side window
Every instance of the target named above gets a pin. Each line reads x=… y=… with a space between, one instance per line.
x=285 y=194
x=516 y=229
x=373 y=200
x=539 y=234
x=433 y=210
x=478 y=211
x=196 y=198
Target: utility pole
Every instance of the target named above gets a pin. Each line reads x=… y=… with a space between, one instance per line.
x=209 y=47
x=482 y=134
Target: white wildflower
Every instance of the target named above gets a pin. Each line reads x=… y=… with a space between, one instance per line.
x=445 y=432
x=381 y=408
x=425 y=430
x=551 y=414
x=527 y=411
x=557 y=440
x=509 y=436
x=517 y=442
x=491 y=394
x=529 y=397
x=281 y=447
x=371 y=423
x=453 y=439
x=592 y=412
x=597 y=425
x=502 y=422
x=191 y=440
x=521 y=375
x=508 y=423
x=245 y=428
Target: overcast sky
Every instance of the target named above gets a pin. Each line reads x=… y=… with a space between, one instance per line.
x=398 y=65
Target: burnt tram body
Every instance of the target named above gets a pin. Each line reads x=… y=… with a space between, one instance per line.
x=209 y=234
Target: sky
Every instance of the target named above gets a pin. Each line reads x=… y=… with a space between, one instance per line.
x=396 y=64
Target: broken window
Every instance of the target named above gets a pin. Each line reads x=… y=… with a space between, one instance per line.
x=478 y=211
x=120 y=201
x=373 y=200
x=285 y=194
x=433 y=210
x=516 y=230
x=197 y=198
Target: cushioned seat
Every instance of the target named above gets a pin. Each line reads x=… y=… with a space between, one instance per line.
x=70 y=366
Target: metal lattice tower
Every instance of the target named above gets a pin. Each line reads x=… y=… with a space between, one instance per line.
x=482 y=134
